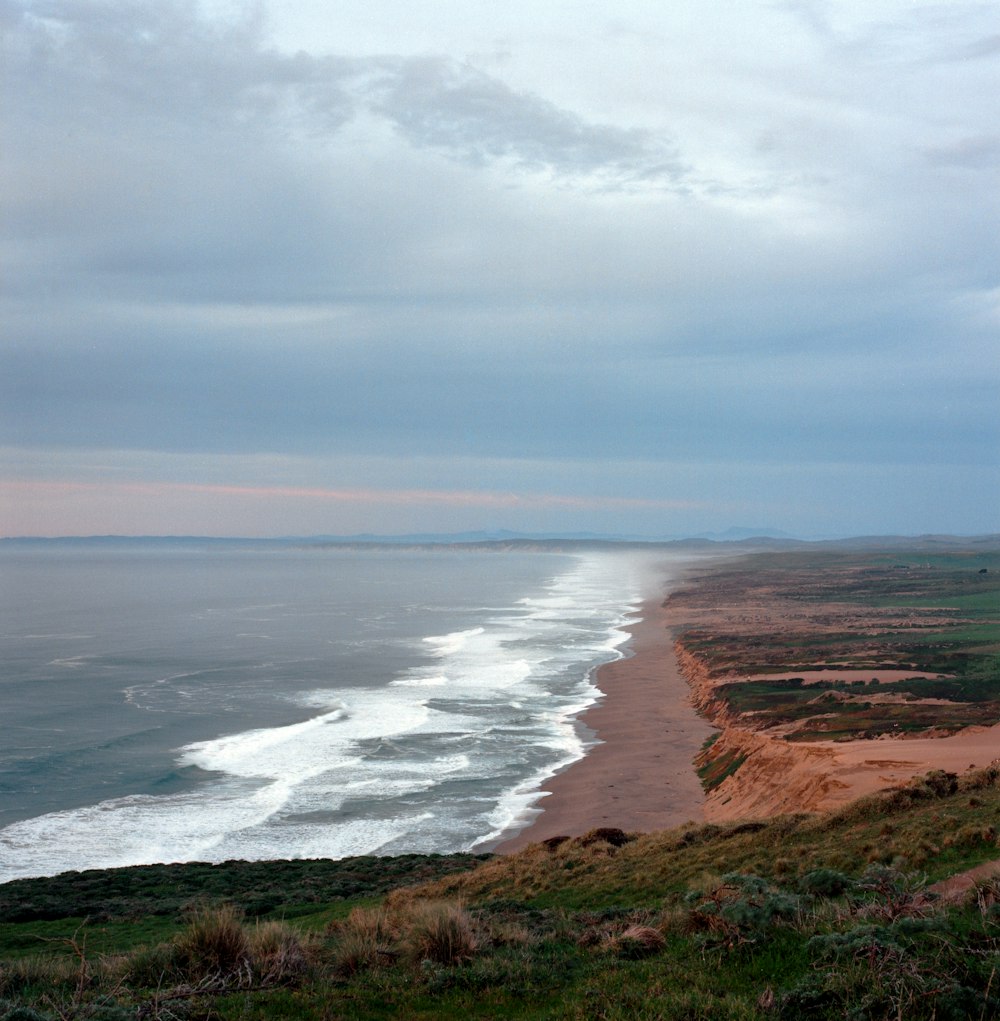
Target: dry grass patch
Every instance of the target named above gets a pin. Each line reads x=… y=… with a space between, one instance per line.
x=636 y=941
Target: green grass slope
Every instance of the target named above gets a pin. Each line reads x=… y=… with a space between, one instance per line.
x=797 y=917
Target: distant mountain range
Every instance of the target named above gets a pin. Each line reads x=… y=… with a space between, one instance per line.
x=744 y=538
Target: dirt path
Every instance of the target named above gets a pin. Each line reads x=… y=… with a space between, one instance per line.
x=954 y=888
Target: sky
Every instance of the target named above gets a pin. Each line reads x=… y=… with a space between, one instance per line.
x=306 y=267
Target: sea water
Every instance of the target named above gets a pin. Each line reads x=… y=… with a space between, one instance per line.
x=177 y=704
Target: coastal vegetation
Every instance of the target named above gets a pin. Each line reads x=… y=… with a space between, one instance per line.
x=848 y=914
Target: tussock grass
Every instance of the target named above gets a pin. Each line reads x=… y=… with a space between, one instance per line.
x=214 y=944
x=440 y=931
x=279 y=953
x=41 y=972
x=364 y=940
x=636 y=941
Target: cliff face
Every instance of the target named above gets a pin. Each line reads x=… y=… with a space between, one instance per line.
x=703 y=687
x=833 y=675
x=751 y=774
x=769 y=777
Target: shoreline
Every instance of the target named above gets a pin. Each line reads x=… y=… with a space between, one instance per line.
x=640 y=775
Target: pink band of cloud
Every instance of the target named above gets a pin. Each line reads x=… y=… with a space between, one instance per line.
x=412 y=497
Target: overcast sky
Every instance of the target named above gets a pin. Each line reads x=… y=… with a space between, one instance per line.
x=306 y=267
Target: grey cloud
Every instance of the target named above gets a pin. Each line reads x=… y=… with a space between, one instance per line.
x=810 y=13
x=104 y=60
x=109 y=63
x=179 y=192
x=162 y=156
x=346 y=399
x=980 y=152
x=980 y=49
x=919 y=35
x=436 y=102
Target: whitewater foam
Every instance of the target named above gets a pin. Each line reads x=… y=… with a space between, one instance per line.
x=446 y=752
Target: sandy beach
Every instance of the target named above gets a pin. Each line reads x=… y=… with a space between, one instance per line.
x=640 y=776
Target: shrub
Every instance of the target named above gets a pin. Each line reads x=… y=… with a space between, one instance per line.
x=606 y=835
x=980 y=779
x=812 y=997
x=940 y=783
x=551 y=843
x=20 y=1013
x=824 y=883
x=890 y=893
x=742 y=910
x=506 y=933
x=972 y=835
x=150 y=967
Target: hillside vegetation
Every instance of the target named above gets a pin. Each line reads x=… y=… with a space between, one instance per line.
x=802 y=916
x=817 y=646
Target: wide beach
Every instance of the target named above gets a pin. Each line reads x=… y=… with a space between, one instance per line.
x=639 y=775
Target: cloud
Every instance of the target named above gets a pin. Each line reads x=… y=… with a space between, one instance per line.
x=434 y=101
x=114 y=61
x=980 y=152
x=979 y=49
x=734 y=242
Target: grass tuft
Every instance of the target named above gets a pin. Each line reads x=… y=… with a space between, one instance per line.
x=442 y=932
x=215 y=945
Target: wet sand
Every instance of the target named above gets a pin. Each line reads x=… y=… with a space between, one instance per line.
x=640 y=776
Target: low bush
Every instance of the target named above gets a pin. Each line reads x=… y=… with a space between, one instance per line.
x=150 y=967
x=825 y=883
x=887 y=893
x=741 y=911
x=606 y=835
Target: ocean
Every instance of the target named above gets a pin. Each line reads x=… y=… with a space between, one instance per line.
x=207 y=703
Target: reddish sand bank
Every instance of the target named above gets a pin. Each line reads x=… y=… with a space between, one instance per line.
x=641 y=776
x=779 y=776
